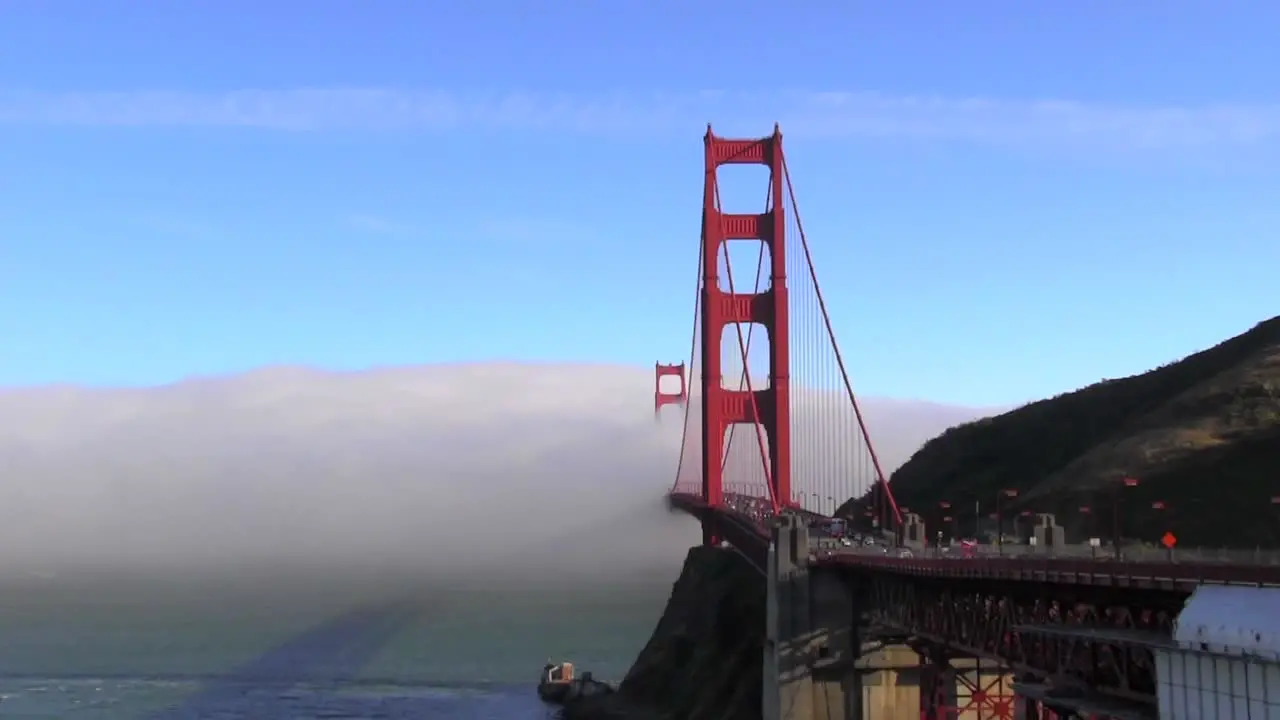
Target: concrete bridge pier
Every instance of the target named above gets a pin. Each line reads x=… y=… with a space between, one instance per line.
x=818 y=667
x=815 y=664
x=809 y=638
x=889 y=676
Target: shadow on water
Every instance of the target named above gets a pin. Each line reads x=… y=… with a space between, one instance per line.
x=313 y=664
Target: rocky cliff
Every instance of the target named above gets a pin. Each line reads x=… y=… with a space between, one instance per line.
x=703 y=661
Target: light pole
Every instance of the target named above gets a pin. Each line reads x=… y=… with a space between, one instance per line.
x=1006 y=493
x=1275 y=510
x=1168 y=530
x=1126 y=482
x=943 y=507
x=1089 y=529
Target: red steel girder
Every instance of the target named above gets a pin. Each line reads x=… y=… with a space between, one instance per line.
x=985 y=695
x=745 y=534
x=1102 y=644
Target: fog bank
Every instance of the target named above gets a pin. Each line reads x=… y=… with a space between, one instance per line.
x=471 y=467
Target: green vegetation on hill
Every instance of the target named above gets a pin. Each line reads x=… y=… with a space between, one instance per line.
x=1201 y=435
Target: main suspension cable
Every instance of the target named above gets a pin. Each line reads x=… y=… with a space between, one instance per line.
x=693 y=350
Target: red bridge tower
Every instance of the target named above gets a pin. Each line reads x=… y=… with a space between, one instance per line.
x=660 y=398
x=767 y=409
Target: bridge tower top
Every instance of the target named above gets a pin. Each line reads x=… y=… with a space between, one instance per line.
x=661 y=397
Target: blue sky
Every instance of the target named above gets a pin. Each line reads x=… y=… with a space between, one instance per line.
x=1006 y=200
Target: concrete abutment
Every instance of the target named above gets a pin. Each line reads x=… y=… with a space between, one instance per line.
x=818 y=666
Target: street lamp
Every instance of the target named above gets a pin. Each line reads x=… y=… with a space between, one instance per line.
x=1125 y=482
x=1275 y=507
x=1159 y=505
x=1006 y=493
x=1088 y=524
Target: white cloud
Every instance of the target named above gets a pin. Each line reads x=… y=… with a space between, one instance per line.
x=497 y=465
x=832 y=114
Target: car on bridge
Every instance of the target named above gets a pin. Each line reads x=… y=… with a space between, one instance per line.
x=831 y=527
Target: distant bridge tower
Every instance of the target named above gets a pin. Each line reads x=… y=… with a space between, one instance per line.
x=660 y=397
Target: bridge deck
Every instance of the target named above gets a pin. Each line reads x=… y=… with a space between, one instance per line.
x=1065 y=570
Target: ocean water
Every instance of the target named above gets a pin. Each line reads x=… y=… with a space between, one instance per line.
x=227 y=648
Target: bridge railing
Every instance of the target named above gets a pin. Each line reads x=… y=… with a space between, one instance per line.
x=1135 y=553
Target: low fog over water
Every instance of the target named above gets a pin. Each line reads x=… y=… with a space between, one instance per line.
x=469 y=469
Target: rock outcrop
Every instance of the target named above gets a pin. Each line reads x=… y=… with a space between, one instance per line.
x=703 y=661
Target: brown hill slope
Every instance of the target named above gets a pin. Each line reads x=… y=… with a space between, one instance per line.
x=1202 y=435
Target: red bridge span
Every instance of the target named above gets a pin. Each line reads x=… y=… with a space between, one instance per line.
x=774 y=438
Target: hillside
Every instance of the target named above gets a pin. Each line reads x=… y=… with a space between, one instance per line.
x=1202 y=435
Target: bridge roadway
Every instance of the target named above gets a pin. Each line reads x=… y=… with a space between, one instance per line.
x=1058 y=620
x=1243 y=567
